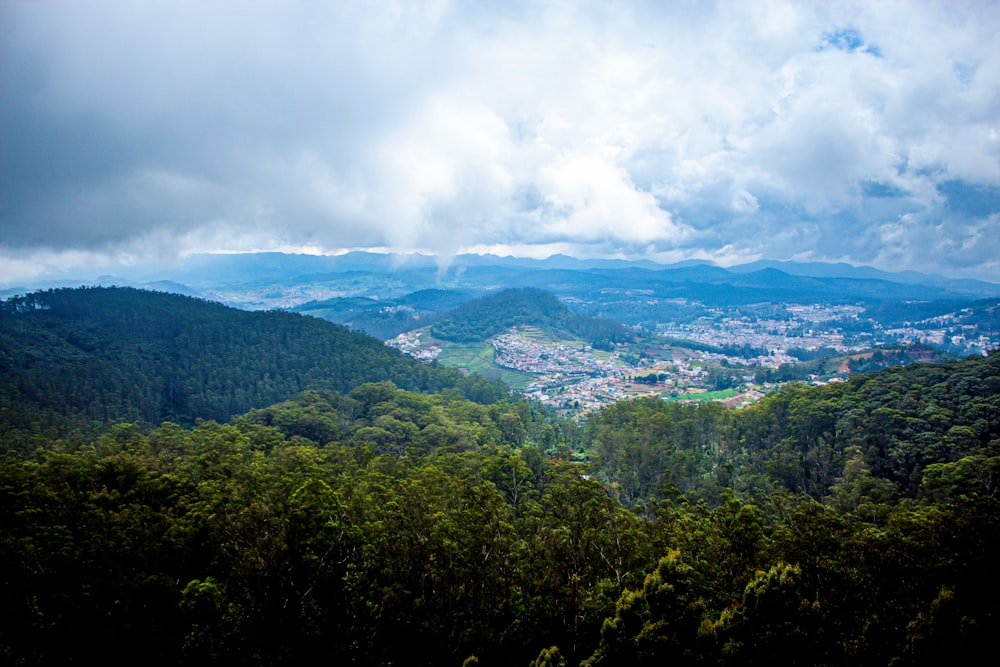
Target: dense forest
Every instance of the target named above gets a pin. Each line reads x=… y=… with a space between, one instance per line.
x=494 y=314
x=867 y=442
x=73 y=358
x=852 y=524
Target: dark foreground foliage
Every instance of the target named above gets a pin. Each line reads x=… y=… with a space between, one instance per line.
x=387 y=527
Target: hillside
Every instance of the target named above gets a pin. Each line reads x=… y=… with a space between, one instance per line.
x=101 y=354
x=491 y=315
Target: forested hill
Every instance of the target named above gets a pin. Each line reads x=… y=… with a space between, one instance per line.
x=102 y=354
x=923 y=430
x=480 y=319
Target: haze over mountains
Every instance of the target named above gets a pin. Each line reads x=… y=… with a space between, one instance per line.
x=279 y=279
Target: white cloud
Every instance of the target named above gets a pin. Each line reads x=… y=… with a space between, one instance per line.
x=709 y=130
x=446 y=173
x=588 y=199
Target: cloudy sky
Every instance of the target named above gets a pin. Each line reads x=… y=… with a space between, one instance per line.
x=863 y=132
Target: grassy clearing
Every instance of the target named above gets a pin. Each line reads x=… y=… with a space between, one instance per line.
x=480 y=358
x=476 y=357
x=704 y=396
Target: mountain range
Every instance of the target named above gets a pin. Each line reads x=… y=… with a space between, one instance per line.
x=281 y=280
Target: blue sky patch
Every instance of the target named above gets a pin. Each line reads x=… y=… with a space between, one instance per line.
x=969 y=199
x=877 y=189
x=849 y=40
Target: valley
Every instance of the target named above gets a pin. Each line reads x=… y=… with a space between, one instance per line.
x=733 y=355
x=688 y=332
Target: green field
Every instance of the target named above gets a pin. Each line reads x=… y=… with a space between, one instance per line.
x=707 y=396
x=479 y=358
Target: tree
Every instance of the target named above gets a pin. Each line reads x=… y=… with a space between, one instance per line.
x=774 y=624
x=657 y=624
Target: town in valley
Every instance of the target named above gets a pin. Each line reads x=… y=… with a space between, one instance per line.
x=725 y=355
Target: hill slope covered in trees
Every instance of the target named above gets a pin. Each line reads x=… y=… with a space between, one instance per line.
x=488 y=316
x=929 y=429
x=106 y=354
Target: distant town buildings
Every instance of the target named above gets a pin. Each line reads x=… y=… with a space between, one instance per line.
x=576 y=378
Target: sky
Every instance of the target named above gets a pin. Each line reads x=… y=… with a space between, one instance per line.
x=137 y=133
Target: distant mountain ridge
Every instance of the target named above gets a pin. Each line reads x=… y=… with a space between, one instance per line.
x=277 y=265
x=844 y=270
x=282 y=280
